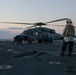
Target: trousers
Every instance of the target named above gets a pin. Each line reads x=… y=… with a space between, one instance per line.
x=69 y=44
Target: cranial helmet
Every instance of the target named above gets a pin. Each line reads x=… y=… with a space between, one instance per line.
x=69 y=21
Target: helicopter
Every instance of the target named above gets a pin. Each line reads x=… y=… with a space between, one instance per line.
x=38 y=33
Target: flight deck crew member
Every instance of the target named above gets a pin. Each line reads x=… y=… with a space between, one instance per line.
x=68 y=37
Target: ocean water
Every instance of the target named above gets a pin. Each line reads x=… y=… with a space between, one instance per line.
x=6 y=39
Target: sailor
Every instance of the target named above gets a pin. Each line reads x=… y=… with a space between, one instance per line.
x=68 y=37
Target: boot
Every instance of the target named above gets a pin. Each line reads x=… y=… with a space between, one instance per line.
x=69 y=53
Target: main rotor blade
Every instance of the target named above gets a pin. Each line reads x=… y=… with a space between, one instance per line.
x=18 y=23
x=56 y=25
x=30 y=27
x=57 y=20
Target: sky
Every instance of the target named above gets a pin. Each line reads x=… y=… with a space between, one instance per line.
x=32 y=11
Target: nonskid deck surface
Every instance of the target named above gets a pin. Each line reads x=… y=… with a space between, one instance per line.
x=36 y=59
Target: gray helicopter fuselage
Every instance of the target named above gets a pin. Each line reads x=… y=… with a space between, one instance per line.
x=40 y=33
